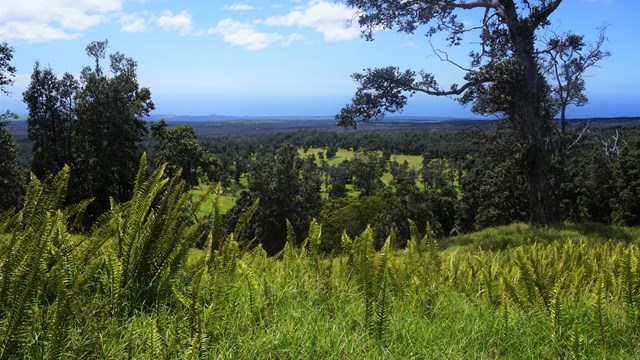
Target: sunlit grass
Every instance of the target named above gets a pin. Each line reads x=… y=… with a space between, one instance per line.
x=314 y=309
x=227 y=200
x=517 y=234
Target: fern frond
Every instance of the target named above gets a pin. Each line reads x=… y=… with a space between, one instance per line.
x=217 y=231
x=255 y=301
x=311 y=243
x=383 y=299
x=599 y=311
x=365 y=270
x=555 y=308
x=153 y=342
x=629 y=282
x=62 y=310
x=239 y=233
x=527 y=278
x=577 y=341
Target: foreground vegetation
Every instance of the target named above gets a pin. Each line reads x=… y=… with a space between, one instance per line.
x=136 y=287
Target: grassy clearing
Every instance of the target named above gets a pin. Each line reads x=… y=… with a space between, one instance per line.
x=518 y=234
x=414 y=161
x=341 y=155
x=227 y=200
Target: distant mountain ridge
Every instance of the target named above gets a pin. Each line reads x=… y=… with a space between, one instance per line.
x=216 y=117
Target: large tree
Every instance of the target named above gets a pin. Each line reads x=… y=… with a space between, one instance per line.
x=11 y=175
x=50 y=101
x=110 y=126
x=94 y=124
x=505 y=76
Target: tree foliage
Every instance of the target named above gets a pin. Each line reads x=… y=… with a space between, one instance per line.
x=626 y=206
x=11 y=173
x=110 y=113
x=179 y=148
x=50 y=101
x=365 y=169
x=94 y=124
x=288 y=188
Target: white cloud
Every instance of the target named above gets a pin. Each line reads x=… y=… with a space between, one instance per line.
x=330 y=19
x=410 y=45
x=45 y=20
x=133 y=23
x=291 y=38
x=181 y=22
x=239 y=7
x=33 y=33
x=245 y=35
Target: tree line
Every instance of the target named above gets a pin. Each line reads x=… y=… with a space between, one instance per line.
x=95 y=125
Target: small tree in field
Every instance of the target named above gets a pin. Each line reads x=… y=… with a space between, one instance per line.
x=505 y=76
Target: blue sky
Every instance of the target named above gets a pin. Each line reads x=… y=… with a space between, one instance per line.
x=281 y=57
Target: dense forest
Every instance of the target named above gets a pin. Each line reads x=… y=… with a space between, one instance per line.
x=127 y=238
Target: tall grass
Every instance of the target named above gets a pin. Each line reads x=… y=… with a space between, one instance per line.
x=136 y=288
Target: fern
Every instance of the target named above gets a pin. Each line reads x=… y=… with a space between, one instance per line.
x=488 y=272
x=7 y=219
x=114 y=278
x=504 y=312
x=630 y=283
x=435 y=260
x=414 y=250
x=151 y=234
x=289 y=250
x=217 y=232
x=38 y=243
x=576 y=339
x=527 y=279
x=154 y=343
x=311 y=243
x=62 y=312
x=513 y=293
x=599 y=303
x=222 y=282
x=242 y=227
x=380 y=324
x=555 y=308
x=365 y=270
x=255 y=301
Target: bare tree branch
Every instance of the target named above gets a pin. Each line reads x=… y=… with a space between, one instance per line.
x=444 y=56
x=586 y=127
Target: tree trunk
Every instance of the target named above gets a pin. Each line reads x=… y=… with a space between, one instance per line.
x=532 y=120
x=540 y=204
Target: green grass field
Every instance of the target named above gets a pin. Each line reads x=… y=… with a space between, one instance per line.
x=564 y=292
